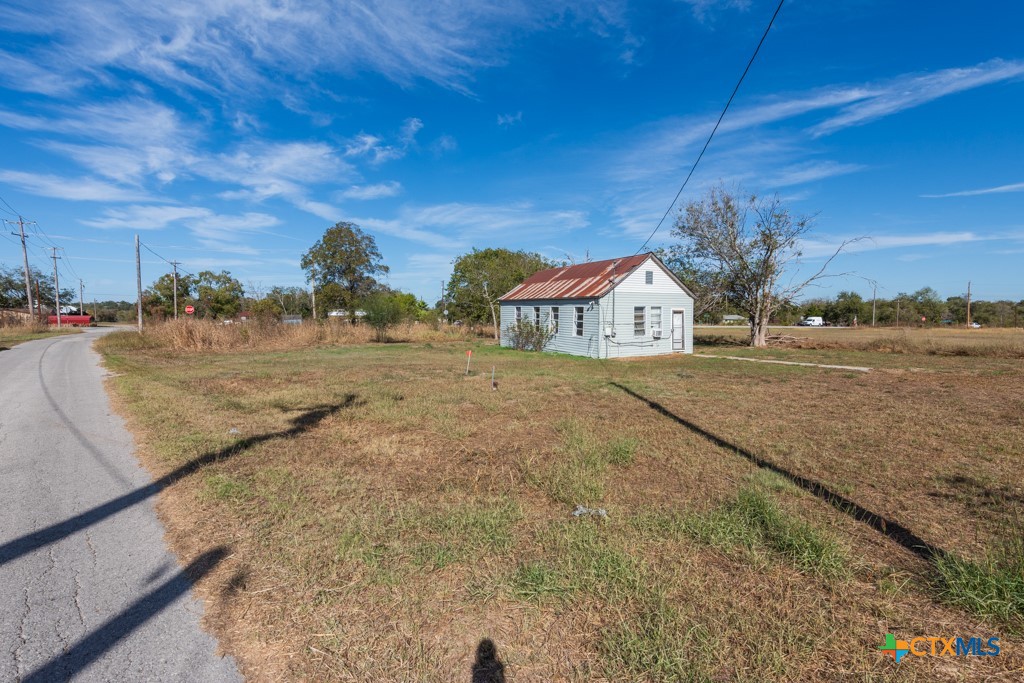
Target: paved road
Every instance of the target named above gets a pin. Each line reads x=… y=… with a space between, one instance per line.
x=88 y=590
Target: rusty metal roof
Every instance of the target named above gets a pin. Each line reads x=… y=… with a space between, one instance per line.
x=585 y=281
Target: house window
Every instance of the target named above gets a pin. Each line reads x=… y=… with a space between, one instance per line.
x=519 y=313
x=656 y=317
x=579 y=321
x=649 y=277
x=554 y=320
x=536 y=316
x=639 y=321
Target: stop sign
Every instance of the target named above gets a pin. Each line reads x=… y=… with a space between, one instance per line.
x=190 y=309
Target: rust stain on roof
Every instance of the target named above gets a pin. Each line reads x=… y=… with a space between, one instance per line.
x=587 y=280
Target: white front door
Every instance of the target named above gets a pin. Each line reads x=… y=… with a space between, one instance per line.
x=677 y=331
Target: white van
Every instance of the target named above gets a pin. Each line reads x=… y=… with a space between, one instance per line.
x=812 y=321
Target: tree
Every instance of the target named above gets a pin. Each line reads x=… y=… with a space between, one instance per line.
x=348 y=258
x=483 y=275
x=383 y=311
x=218 y=295
x=159 y=298
x=847 y=307
x=12 y=288
x=293 y=300
x=747 y=246
x=708 y=285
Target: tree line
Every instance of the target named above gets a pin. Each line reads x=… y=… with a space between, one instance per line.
x=739 y=254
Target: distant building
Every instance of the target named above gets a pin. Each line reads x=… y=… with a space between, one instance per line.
x=734 y=320
x=630 y=306
x=291 y=319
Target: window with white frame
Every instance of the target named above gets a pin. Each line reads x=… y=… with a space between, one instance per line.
x=579 y=321
x=554 y=320
x=536 y=316
x=649 y=277
x=639 y=321
x=519 y=313
x=656 y=318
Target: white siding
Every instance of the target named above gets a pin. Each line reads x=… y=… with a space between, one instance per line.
x=599 y=318
x=566 y=340
x=624 y=342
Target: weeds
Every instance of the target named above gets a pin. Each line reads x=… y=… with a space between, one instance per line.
x=754 y=520
x=992 y=587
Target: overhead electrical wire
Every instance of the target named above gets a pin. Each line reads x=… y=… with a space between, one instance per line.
x=713 y=130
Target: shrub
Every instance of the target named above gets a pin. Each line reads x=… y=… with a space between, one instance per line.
x=525 y=336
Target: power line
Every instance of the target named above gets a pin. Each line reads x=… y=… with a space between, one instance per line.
x=172 y=264
x=11 y=208
x=715 y=129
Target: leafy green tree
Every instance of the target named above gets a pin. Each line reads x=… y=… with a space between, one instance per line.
x=383 y=310
x=266 y=309
x=927 y=304
x=12 y=288
x=218 y=295
x=345 y=257
x=158 y=300
x=483 y=275
x=847 y=307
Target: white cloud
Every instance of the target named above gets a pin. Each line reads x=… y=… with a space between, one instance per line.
x=444 y=144
x=508 y=120
x=910 y=91
x=378 y=191
x=145 y=217
x=71 y=189
x=457 y=225
x=1015 y=187
x=409 y=130
x=826 y=247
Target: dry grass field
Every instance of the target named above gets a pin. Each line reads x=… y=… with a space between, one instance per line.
x=384 y=512
x=19 y=332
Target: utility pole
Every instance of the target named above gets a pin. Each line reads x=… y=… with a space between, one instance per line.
x=56 y=285
x=39 y=301
x=24 y=256
x=898 y=299
x=968 y=303
x=312 y=294
x=138 y=279
x=175 y=264
x=81 y=297
x=874 y=298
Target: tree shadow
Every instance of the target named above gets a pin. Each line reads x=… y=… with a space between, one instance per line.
x=887 y=527
x=487 y=668
x=103 y=638
x=28 y=543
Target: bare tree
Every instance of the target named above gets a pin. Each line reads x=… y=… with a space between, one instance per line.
x=745 y=249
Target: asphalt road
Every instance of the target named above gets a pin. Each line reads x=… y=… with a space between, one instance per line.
x=88 y=589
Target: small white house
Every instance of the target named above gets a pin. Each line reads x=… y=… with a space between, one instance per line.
x=630 y=306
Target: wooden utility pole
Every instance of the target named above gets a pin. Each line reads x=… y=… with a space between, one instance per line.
x=39 y=301
x=24 y=257
x=968 y=304
x=874 y=298
x=898 y=299
x=56 y=286
x=81 y=297
x=174 y=264
x=138 y=280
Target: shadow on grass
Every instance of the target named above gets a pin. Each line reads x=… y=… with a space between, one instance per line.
x=488 y=668
x=94 y=645
x=890 y=528
x=28 y=543
x=720 y=340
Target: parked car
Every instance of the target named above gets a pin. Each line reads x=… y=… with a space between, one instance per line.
x=975 y=325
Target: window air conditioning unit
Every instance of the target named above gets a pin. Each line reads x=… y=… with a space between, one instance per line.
x=656 y=333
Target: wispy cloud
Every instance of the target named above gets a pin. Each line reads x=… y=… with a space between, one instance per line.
x=377 y=191
x=1015 y=187
x=235 y=46
x=826 y=247
x=909 y=91
x=508 y=120
x=457 y=225
x=71 y=189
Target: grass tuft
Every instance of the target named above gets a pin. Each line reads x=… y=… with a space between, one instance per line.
x=992 y=587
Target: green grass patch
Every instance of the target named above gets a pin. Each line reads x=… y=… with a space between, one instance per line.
x=754 y=521
x=992 y=587
x=577 y=472
x=226 y=488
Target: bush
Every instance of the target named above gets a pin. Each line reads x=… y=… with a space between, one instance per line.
x=525 y=336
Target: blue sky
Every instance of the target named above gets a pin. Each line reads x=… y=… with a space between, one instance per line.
x=231 y=133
